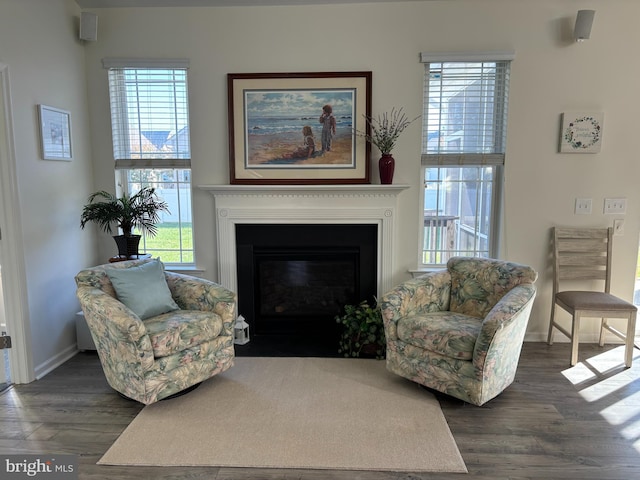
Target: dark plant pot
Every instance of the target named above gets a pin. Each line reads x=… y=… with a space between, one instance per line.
x=369 y=350
x=127 y=246
x=386 y=165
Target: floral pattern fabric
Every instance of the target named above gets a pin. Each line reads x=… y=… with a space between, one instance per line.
x=143 y=360
x=451 y=334
x=460 y=330
x=477 y=284
x=175 y=331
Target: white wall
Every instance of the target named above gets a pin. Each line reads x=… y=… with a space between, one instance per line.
x=38 y=42
x=551 y=74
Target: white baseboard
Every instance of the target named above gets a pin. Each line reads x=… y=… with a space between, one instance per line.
x=55 y=361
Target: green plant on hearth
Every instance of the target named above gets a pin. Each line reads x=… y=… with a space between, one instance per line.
x=139 y=211
x=362 y=331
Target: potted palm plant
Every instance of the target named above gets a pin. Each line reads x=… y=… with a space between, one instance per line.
x=139 y=211
x=362 y=331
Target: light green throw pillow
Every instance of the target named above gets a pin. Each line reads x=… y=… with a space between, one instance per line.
x=143 y=289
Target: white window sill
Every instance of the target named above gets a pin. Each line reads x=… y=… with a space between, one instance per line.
x=422 y=270
x=185 y=269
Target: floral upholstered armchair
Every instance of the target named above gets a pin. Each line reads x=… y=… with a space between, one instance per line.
x=157 y=333
x=460 y=330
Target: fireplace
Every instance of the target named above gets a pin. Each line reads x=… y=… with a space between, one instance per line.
x=294 y=279
x=357 y=271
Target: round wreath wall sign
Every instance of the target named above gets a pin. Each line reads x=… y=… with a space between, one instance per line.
x=581 y=133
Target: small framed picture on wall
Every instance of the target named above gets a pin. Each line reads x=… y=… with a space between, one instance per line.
x=55 y=133
x=581 y=132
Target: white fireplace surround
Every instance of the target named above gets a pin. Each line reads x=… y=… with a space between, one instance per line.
x=310 y=204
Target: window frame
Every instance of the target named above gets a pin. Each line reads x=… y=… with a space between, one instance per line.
x=439 y=160
x=120 y=129
x=495 y=215
x=122 y=180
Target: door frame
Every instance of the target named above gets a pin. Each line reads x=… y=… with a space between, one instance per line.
x=11 y=245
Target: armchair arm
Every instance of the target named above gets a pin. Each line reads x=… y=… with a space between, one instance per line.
x=120 y=336
x=428 y=293
x=105 y=312
x=504 y=327
x=193 y=293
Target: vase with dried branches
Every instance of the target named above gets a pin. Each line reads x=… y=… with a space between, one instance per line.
x=384 y=131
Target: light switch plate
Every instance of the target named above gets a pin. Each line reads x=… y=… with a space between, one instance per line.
x=615 y=205
x=583 y=206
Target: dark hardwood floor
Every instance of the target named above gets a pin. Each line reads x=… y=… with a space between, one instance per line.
x=554 y=422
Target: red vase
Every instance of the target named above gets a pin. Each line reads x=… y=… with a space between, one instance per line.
x=386 y=164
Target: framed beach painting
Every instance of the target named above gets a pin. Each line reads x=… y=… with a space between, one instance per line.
x=298 y=128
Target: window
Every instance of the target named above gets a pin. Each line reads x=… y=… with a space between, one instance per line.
x=151 y=146
x=464 y=138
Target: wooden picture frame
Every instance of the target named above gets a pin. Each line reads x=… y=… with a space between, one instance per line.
x=276 y=123
x=55 y=133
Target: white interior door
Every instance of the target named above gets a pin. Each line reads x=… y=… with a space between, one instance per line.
x=636 y=298
x=14 y=285
x=3 y=328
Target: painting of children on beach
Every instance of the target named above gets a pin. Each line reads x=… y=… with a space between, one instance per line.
x=299 y=128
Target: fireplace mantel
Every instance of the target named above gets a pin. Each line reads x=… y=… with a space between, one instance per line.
x=304 y=204
x=356 y=190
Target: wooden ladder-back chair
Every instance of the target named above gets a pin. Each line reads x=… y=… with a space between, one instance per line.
x=584 y=254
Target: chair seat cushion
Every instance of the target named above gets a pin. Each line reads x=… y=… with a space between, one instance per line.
x=585 y=300
x=174 y=331
x=447 y=333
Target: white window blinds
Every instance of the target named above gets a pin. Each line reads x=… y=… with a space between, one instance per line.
x=149 y=113
x=465 y=110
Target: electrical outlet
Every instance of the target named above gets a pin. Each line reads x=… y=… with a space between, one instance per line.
x=615 y=205
x=583 y=206
x=618 y=226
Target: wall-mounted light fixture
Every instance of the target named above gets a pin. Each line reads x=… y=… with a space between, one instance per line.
x=584 y=21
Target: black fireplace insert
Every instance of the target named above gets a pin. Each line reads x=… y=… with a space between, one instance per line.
x=293 y=279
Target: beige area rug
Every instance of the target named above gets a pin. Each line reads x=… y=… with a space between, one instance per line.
x=307 y=413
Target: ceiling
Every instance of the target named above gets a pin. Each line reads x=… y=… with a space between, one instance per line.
x=214 y=3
